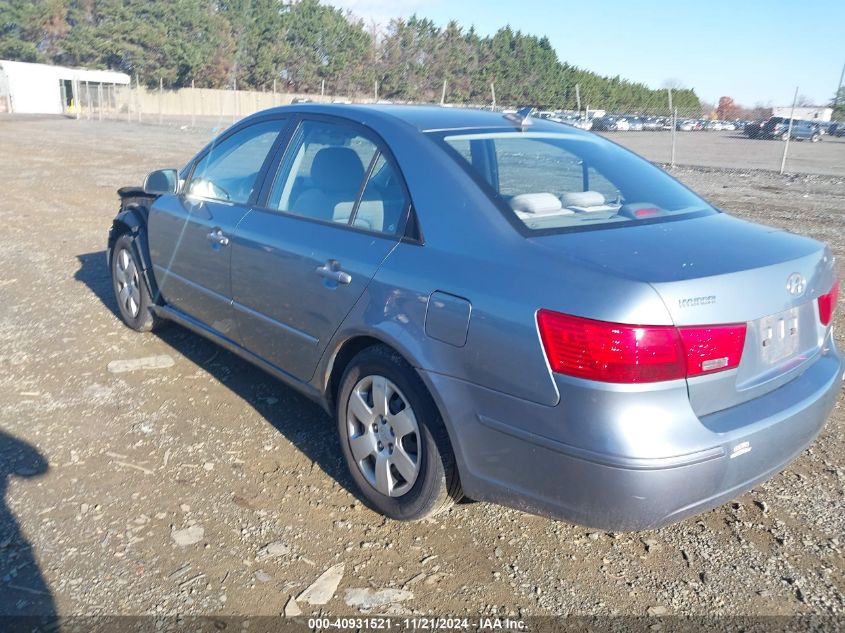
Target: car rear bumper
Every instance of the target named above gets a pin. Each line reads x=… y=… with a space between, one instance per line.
x=508 y=453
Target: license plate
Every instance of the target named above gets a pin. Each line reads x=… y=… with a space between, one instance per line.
x=779 y=336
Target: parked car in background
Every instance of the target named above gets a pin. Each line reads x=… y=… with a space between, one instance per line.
x=778 y=128
x=490 y=305
x=714 y=126
x=575 y=121
x=635 y=123
x=803 y=131
x=824 y=126
x=610 y=123
x=652 y=123
x=686 y=125
x=622 y=125
x=753 y=129
x=728 y=126
x=837 y=129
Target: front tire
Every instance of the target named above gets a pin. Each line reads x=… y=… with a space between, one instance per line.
x=816 y=138
x=393 y=439
x=130 y=289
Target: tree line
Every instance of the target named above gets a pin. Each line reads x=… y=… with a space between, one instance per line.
x=303 y=46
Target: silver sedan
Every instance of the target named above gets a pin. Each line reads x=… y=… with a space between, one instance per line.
x=494 y=306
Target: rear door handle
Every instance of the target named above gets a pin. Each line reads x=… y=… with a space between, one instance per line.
x=331 y=270
x=217 y=237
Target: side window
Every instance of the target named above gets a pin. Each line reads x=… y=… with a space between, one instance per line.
x=230 y=169
x=383 y=203
x=322 y=176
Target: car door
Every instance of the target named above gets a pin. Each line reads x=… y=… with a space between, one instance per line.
x=190 y=233
x=333 y=212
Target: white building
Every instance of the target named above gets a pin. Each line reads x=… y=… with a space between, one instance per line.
x=44 y=89
x=805 y=113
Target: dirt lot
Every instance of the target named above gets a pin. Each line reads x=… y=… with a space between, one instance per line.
x=105 y=474
x=736 y=151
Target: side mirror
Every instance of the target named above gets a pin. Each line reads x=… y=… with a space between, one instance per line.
x=161 y=181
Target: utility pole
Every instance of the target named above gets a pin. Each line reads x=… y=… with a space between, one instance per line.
x=578 y=98
x=788 y=132
x=138 y=96
x=673 y=112
x=74 y=87
x=493 y=92
x=443 y=94
x=839 y=88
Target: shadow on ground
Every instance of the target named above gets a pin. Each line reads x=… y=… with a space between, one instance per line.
x=299 y=419
x=24 y=594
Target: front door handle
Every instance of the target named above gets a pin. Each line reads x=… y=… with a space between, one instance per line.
x=217 y=237
x=331 y=270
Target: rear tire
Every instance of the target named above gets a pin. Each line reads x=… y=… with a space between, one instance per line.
x=398 y=452
x=784 y=136
x=130 y=288
x=816 y=138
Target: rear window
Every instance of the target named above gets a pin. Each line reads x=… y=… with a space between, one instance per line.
x=550 y=181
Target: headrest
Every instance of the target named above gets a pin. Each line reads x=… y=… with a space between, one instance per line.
x=536 y=203
x=337 y=169
x=582 y=199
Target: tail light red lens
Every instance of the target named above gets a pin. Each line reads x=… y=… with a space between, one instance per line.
x=620 y=353
x=827 y=304
x=713 y=348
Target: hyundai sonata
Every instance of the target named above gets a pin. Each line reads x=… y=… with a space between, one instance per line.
x=493 y=306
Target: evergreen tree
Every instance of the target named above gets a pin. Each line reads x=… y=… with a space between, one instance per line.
x=303 y=44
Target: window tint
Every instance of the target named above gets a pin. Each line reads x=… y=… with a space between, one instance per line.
x=322 y=177
x=596 y=181
x=383 y=203
x=559 y=181
x=230 y=169
x=526 y=165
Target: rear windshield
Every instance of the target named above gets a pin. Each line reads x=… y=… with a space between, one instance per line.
x=550 y=181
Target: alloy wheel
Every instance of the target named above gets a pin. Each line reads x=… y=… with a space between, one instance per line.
x=383 y=435
x=128 y=290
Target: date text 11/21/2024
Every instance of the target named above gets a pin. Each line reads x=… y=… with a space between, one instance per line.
x=416 y=624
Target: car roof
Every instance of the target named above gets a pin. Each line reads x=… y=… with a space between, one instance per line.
x=425 y=118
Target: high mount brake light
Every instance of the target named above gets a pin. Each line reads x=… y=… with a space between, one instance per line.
x=621 y=353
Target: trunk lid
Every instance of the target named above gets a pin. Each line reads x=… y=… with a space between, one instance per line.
x=718 y=270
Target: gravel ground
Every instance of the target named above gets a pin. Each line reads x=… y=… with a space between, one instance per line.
x=734 y=150
x=205 y=487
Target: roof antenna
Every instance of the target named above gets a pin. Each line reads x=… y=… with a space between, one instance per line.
x=522 y=117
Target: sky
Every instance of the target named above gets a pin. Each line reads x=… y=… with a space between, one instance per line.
x=756 y=51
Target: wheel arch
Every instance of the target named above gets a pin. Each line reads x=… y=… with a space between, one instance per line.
x=339 y=360
x=132 y=219
x=353 y=344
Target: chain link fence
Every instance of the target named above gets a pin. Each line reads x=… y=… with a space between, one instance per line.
x=665 y=132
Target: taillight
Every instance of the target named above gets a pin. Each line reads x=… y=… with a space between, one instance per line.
x=712 y=348
x=827 y=304
x=620 y=353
